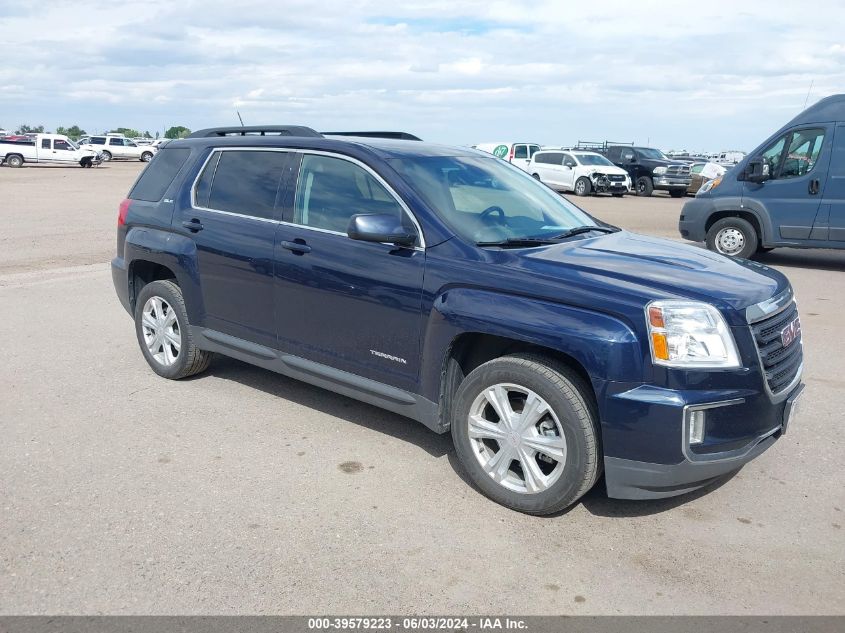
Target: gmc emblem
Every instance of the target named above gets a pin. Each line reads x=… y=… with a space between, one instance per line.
x=791 y=332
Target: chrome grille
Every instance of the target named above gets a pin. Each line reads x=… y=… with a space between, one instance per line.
x=780 y=364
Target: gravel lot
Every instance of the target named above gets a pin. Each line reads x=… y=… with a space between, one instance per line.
x=242 y=491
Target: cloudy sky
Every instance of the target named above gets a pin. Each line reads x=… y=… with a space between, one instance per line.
x=703 y=75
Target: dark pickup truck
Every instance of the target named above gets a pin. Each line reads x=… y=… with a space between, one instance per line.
x=650 y=169
x=450 y=287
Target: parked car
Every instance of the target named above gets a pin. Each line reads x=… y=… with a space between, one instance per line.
x=579 y=171
x=729 y=159
x=650 y=169
x=701 y=172
x=445 y=286
x=45 y=148
x=118 y=147
x=518 y=154
x=790 y=191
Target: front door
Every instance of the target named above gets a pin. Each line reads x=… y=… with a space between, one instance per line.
x=833 y=202
x=351 y=305
x=567 y=175
x=232 y=220
x=797 y=166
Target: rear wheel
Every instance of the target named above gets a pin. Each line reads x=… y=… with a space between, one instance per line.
x=146 y=157
x=164 y=334
x=583 y=187
x=644 y=186
x=524 y=428
x=106 y=156
x=536 y=176
x=14 y=160
x=734 y=237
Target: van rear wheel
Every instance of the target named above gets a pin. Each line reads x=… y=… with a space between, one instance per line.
x=734 y=237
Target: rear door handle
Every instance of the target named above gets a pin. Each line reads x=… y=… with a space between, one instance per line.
x=814 y=186
x=297 y=247
x=193 y=225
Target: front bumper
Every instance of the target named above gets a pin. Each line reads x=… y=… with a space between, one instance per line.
x=741 y=427
x=692 y=222
x=671 y=182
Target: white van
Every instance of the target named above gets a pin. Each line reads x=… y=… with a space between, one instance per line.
x=518 y=154
x=579 y=171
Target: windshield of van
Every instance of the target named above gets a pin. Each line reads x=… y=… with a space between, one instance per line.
x=487 y=201
x=648 y=152
x=592 y=159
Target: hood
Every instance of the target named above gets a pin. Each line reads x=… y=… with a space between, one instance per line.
x=605 y=169
x=658 y=268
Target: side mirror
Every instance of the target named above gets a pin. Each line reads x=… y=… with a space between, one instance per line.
x=380 y=227
x=756 y=170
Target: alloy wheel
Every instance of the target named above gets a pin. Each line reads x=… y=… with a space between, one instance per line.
x=162 y=334
x=517 y=438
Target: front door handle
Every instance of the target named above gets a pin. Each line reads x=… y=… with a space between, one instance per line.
x=814 y=186
x=298 y=247
x=193 y=225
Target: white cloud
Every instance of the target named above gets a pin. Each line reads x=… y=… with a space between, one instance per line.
x=457 y=71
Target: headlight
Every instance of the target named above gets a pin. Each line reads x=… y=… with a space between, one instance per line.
x=659 y=170
x=710 y=184
x=689 y=334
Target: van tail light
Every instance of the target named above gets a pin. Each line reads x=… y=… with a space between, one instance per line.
x=510 y=154
x=122 y=211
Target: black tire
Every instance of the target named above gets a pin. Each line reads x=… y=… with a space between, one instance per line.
x=536 y=176
x=618 y=195
x=733 y=237
x=571 y=400
x=106 y=156
x=190 y=359
x=678 y=193
x=765 y=249
x=14 y=160
x=583 y=187
x=644 y=186
x=146 y=157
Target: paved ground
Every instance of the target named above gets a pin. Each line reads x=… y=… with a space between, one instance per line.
x=124 y=493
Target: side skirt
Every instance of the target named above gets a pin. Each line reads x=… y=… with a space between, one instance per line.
x=345 y=383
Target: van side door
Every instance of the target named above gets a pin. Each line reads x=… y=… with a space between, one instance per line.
x=567 y=171
x=521 y=156
x=830 y=225
x=797 y=164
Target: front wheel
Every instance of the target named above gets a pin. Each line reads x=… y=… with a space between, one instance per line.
x=163 y=331
x=644 y=186
x=106 y=157
x=146 y=157
x=524 y=429
x=535 y=176
x=583 y=187
x=734 y=237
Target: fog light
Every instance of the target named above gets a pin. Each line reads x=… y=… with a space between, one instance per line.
x=696 y=427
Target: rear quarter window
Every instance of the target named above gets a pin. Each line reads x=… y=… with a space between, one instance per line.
x=158 y=175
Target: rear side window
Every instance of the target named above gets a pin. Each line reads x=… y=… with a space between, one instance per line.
x=98 y=140
x=158 y=175
x=246 y=182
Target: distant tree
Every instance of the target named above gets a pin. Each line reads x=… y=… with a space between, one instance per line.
x=74 y=131
x=177 y=131
x=126 y=131
x=31 y=129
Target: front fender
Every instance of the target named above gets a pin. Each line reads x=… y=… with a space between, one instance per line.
x=605 y=346
x=177 y=253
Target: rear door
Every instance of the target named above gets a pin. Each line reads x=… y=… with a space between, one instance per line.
x=347 y=304
x=797 y=163
x=232 y=220
x=521 y=156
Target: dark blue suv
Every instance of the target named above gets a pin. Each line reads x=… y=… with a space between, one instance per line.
x=452 y=288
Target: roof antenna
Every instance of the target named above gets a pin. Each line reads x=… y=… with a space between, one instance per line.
x=808 y=94
x=239 y=118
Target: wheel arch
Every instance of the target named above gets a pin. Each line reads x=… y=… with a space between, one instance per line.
x=745 y=214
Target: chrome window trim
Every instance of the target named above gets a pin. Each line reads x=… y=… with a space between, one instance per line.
x=374 y=174
x=367 y=168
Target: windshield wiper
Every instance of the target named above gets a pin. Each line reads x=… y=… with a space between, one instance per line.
x=516 y=242
x=585 y=229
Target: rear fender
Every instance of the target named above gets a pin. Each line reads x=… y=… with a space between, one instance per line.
x=176 y=252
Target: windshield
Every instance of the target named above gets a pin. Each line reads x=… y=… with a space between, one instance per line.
x=648 y=152
x=72 y=144
x=592 y=159
x=487 y=200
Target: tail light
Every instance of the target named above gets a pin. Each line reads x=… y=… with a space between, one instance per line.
x=510 y=154
x=122 y=211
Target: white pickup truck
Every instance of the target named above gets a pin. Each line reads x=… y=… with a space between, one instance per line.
x=47 y=148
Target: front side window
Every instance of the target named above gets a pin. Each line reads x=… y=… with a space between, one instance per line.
x=804 y=148
x=651 y=153
x=772 y=157
x=246 y=182
x=60 y=144
x=332 y=190
x=483 y=200
x=568 y=161
x=696 y=169
x=627 y=155
x=520 y=151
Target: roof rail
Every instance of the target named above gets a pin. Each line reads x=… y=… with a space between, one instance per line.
x=256 y=130
x=599 y=145
x=401 y=136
